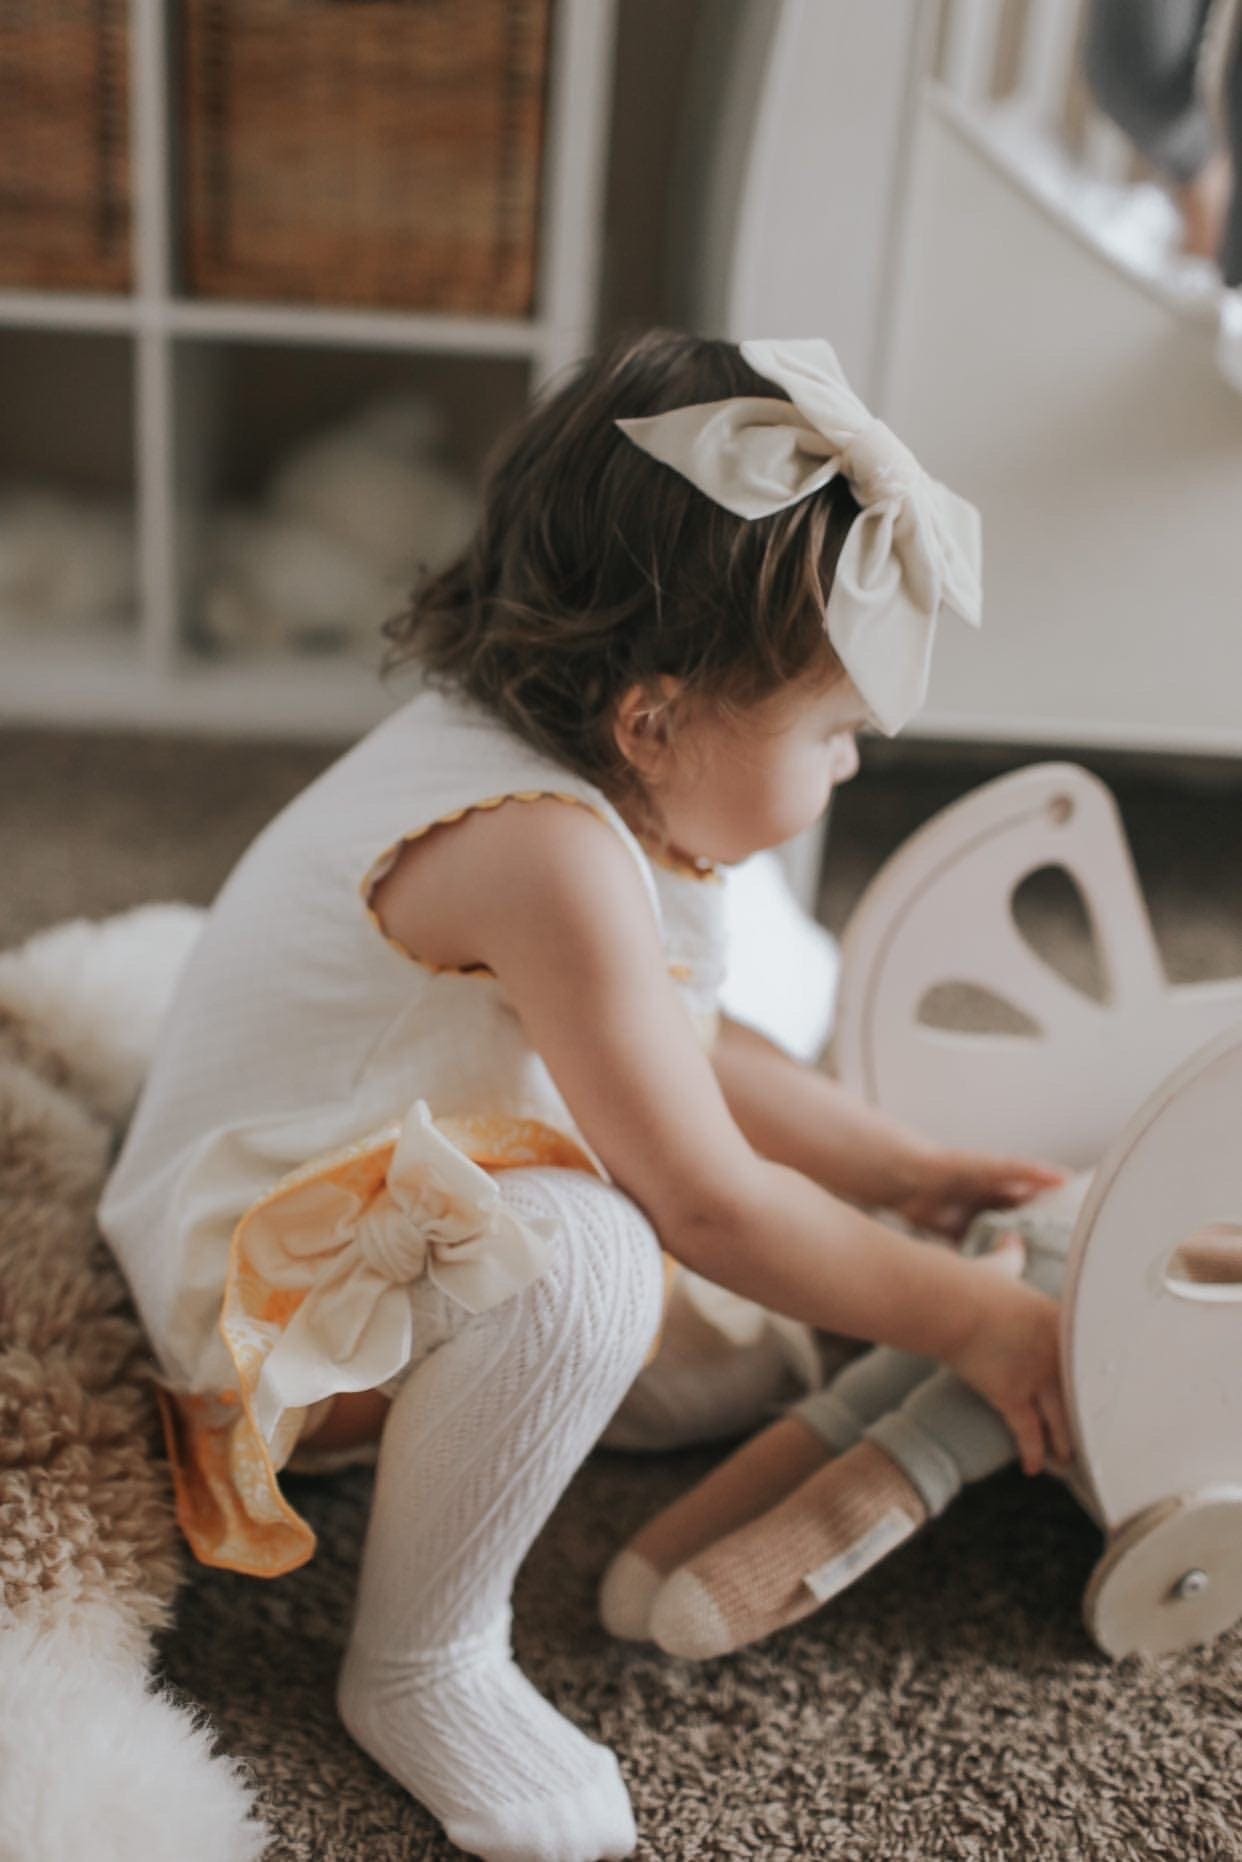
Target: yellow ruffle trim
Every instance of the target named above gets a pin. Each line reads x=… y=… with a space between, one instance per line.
x=381 y=867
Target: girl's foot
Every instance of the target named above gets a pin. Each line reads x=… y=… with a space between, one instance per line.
x=762 y=1472
x=782 y=1566
x=465 y=1732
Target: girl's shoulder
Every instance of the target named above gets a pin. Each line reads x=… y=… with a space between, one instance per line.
x=440 y=753
x=543 y=856
x=429 y=764
x=478 y=817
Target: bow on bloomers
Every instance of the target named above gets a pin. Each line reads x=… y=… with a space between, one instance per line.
x=914 y=548
x=351 y=1258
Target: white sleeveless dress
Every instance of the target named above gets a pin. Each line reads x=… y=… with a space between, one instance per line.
x=324 y=1114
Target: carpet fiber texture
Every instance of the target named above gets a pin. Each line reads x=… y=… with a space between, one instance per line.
x=948 y=1706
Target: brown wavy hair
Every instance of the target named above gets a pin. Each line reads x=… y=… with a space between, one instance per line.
x=596 y=568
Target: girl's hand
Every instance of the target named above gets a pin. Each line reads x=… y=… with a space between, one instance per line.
x=954 y=1186
x=553 y=904
x=1012 y=1358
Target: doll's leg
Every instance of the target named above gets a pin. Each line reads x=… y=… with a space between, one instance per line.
x=850 y=1512
x=764 y=1471
x=760 y=1474
x=944 y=1435
x=843 y=1519
x=896 y=1464
x=839 y=1414
x=743 y=1486
x=480 y=1442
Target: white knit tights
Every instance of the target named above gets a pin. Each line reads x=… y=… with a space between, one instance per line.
x=481 y=1440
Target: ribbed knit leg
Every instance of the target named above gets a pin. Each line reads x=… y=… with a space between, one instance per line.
x=906 y=1435
x=480 y=1442
x=778 y=1568
x=761 y=1473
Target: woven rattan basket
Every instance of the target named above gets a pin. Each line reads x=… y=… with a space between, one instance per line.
x=64 y=145
x=367 y=152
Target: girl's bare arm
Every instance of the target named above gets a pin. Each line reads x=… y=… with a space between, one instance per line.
x=802 y=1117
x=549 y=899
x=797 y=1115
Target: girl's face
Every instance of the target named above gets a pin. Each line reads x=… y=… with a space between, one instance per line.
x=727 y=786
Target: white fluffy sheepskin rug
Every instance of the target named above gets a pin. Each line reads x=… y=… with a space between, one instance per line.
x=95 y=1764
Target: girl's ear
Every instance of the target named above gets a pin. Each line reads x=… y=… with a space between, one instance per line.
x=642 y=726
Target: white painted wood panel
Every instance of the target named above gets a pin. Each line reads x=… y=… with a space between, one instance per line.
x=793 y=169
x=1084 y=414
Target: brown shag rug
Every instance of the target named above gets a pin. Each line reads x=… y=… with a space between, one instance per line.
x=949 y=1706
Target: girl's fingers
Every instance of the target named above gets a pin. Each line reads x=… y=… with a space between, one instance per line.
x=1002 y=1189
x=1057 y=1424
x=1041 y=1430
x=1007 y=1255
x=1021 y=1171
x=1027 y=1430
x=1018 y=1189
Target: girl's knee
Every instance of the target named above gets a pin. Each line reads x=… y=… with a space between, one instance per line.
x=606 y=1275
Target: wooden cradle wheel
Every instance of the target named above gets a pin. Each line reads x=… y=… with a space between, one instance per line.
x=1171 y=1578
x=1153 y=1352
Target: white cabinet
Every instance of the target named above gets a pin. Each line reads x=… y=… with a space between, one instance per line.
x=170 y=403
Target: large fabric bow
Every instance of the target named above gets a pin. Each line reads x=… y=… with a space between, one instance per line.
x=914 y=548
x=343 y=1261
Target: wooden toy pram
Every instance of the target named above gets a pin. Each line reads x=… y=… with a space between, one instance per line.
x=1152 y=1304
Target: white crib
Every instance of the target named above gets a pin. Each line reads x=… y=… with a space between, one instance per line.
x=1146 y=1085
x=925 y=183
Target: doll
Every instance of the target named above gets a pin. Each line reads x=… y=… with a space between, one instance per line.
x=848 y=1474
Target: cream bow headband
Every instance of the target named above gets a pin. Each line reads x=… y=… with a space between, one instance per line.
x=913 y=549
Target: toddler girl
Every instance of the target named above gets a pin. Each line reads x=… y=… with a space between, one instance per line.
x=445 y=1074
